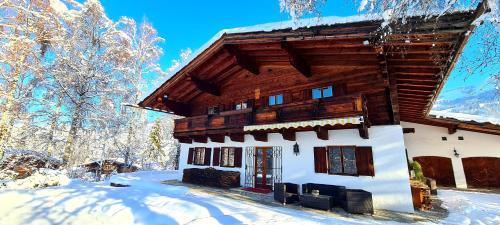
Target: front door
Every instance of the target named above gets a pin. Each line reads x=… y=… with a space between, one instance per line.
x=264 y=167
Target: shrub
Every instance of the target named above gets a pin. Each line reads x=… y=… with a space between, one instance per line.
x=417 y=169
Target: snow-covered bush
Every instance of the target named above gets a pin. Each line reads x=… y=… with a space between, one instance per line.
x=40 y=179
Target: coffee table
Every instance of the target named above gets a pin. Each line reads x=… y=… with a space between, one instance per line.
x=324 y=202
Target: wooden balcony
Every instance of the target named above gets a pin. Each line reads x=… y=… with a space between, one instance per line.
x=231 y=123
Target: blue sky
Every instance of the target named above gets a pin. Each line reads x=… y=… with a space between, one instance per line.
x=190 y=23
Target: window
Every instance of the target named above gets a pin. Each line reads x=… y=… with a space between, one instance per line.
x=444 y=138
x=460 y=138
x=227 y=157
x=322 y=92
x=213 y=110
x=344 y=160
x=276 y=99
x=199 y=156
x=240 y=105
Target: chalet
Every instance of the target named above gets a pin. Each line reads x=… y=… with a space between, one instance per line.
x=325 y=103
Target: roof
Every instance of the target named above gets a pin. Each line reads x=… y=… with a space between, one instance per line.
x=273 y=26
x=444 y=114
x=417 y=78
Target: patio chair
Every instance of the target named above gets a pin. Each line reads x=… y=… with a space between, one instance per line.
x=286 y=193
x=357 y=201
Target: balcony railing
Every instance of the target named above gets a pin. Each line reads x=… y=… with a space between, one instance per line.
x=298 y=111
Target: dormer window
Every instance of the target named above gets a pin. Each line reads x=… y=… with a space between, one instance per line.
x=323 y=92
x=212 y=110
x=276 y=99
x=240 y=105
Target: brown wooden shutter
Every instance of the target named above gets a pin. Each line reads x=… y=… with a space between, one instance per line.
x=207 y=156
x=364 y=161
x=216 y=157
x=190 y=155
x=320 y=162
x=238 y=152
x=264 y=101
x=307 y=94
x=250 y=103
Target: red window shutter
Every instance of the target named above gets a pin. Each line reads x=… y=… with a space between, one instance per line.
x=238 y=152
x=216 y=157
x=364 y=161
x=320 y=163
x=208 y=152
x=190 y=156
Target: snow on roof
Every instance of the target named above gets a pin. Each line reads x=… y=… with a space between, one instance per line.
x=465 y=117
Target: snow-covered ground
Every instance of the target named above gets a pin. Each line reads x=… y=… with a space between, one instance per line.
x=147 y=201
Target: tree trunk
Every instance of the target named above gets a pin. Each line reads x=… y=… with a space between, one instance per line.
x=70 y=141
x=53 y=125
x=6 y=120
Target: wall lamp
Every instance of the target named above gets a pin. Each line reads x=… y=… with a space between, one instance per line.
x=296 y=149
x=455 y=153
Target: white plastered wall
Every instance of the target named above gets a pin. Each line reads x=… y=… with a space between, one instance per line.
x=389 y=187
x=426 y=141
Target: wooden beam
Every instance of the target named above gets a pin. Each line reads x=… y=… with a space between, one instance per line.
x=259 y=136
x=216 y=138
x=363 y=131
x=185 y=140
x=200 y=138
x=391 y=91
x=243 y=61
x=288 y=134
x=321 y=132
x=237 y=137
x=179 y=108
x=296 y=60
x=204 y=86
x=452 y=129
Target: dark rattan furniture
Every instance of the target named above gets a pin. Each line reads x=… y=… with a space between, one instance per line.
x=286 y=193
x=324 y=202
x=337 y=192
x=357 y=201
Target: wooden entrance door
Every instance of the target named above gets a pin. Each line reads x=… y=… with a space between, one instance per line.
x=438 y=168
x=482 y=172
x=264 y=167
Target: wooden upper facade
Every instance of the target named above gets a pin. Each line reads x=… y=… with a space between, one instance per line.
x=381 y=77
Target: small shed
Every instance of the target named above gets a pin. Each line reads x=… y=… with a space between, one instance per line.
x=108 y=166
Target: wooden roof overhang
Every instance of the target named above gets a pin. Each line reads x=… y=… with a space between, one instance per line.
x=408 y=65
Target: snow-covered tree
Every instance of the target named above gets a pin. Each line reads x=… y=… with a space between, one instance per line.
x=27 y=28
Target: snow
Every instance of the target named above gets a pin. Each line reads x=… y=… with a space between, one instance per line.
x=465 y=117
x=147 y=201
x=471 y=207
x=41 y=178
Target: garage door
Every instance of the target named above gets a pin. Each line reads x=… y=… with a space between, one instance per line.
x=482 y=172
x=438 y=168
